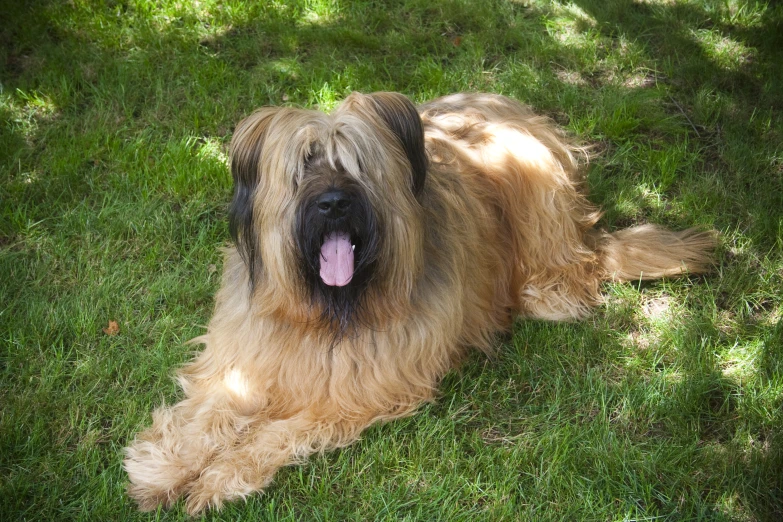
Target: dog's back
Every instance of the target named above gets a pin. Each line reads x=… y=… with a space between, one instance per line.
x=530 y=170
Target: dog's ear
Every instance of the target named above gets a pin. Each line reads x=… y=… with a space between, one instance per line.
x=247 y=145
x=401 y=116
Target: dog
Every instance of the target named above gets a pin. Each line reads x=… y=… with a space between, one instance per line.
x=373 y=247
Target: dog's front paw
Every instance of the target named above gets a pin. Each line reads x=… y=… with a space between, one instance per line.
x=222 y=481
x=157 y=477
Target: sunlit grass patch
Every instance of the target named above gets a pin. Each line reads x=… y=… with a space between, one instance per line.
x=724 y=51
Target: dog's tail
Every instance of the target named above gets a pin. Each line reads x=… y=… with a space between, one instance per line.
x=651 y=252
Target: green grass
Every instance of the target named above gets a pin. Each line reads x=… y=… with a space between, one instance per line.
x=664 y=405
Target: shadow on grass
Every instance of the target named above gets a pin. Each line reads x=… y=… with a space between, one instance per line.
x=725 y=74
x=740 y=436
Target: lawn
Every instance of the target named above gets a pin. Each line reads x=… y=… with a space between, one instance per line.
x=666 y=404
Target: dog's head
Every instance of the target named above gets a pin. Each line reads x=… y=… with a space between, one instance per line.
x=325 y=209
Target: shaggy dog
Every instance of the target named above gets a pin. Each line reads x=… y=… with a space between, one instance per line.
x=374 y=246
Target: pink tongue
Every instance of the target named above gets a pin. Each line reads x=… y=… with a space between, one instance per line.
x=337 y=259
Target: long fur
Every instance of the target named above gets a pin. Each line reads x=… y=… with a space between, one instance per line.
x=470 y=212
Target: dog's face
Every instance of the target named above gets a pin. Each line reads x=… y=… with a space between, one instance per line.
x=325 y=207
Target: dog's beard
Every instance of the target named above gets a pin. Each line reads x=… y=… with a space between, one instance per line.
x=338 y=258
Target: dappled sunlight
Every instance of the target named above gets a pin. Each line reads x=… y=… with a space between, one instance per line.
x=288 y=67
x=656 y=2
x=26 y=110
x=579 y=14
x=730 y=504
x=212 y=149
x=772 y=318
x=672 y=377
x=28 y=176
x=236 y=382
x=725 y=52
x=321 y=12
x=571 y=77
x=487 y=141
x=740 y=361
x=215 y=32
x=21 y=118
x=640 y=79
x=639 y=199
x=326 y=98
x=589 y=57
x=638 y=339
x=571 y=25
x=505 y=140
x=503 y=144
x=657 y=308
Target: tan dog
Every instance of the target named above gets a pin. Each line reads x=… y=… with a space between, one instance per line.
x=374 y=246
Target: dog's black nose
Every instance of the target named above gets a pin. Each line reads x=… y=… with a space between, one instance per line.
x=334 y=204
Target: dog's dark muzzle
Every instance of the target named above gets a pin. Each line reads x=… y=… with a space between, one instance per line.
x=334 y=204
x=338 y=239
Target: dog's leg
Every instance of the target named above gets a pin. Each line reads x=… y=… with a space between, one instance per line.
x=251 y=464
x=291 y=424
x=164 y=460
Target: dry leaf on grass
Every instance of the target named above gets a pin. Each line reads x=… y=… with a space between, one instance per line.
x=112 y=329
